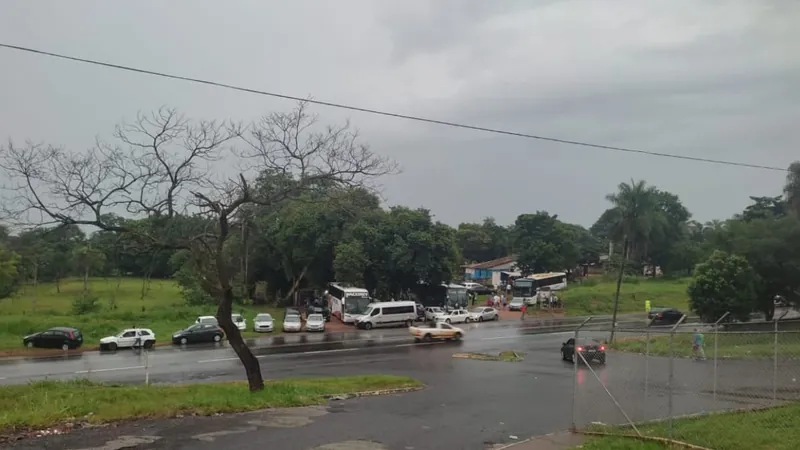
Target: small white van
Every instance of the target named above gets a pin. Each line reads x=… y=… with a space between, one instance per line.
x=387 y=314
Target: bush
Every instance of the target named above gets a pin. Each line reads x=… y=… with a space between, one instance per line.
x=85 y=304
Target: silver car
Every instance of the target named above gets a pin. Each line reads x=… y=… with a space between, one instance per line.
x=481 y=313
x=292 y=323
x=263 y=323
x=315 y=322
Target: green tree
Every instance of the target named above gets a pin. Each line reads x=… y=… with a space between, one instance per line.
x=484 y=241
x=88 y=260
x=9 y=276
x=543 y=243
x=724 y=283
x=791 y=189
x=634 y=214
x=351 y=262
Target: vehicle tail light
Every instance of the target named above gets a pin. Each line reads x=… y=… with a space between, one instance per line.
x=580 y=349
x=660 y=315
x=602 y=348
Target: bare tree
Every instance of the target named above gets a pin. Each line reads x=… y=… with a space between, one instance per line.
x=162 y=168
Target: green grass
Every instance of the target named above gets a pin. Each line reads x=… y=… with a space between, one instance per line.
x=43 y=404
x=729 y=345
x=771 y=429
x=161 y=308
x=595 y=296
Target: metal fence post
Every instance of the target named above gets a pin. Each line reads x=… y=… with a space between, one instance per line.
x=775 y=359
x=672 y=372
x=716 y=335
x=146 y=367
x=575 y=376
x=647 y=358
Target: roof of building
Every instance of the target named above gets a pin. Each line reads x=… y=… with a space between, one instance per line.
x=493 y=263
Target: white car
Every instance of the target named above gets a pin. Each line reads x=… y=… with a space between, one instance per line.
x=481 y=313
x=207 y=320
x=454 y=316
x=292 y=323
x=315 y=322
x=239 y=321
x=132 y=337
x=263 y=323
x=431 y=311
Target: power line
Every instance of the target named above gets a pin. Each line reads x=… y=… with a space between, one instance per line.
x=386 y=113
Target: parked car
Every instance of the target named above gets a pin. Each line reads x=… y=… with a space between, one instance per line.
x=477 y=288
x=440 y=331
x=263 y=323
x=64 y=338
x=291 y=312
x=590 y=349
x=239 y=321
x=664 y=316
x=292 y=323
x=481 y=313
x=315 y=322
x=199 y=332
x=319 y=306
x=454 y=316
x=431 y=311
x=516 y=304
x=130 y=338
x=211 y=320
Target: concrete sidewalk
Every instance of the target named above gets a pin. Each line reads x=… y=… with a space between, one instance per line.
x=561 y=440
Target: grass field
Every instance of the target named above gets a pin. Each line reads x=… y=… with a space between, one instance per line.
x=161 y=308
x=596 y=295
x=771 y=429
x=729 y=345
x=38 y=405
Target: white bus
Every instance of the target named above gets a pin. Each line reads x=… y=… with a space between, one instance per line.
x=347 y=302
x=526 y=289
x=387 y=314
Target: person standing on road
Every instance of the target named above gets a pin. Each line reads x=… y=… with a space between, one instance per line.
x=697 y=345
x=524 y=309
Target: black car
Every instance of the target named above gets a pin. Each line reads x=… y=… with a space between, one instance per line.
x=64 y=338
x=664 y=316
x=589 y=348
x=199 y=332
x=319 y=306
x=479 y=289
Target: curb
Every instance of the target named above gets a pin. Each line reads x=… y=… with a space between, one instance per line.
x=347 y=396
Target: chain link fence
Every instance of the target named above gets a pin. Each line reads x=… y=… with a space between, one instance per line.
x=657 y=382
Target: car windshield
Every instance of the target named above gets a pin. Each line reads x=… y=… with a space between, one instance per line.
x=436 y=309
x=315 y=318
x=368 y=311
x=524 y=288
x=292 y=319
x=264 y=317
x=237 y=318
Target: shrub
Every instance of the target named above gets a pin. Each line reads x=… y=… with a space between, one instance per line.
x=85 y=304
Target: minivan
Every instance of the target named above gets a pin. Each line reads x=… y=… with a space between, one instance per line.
x=387 y=314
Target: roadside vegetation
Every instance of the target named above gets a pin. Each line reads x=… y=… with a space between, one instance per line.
x=154 y=304
x=771 y=429
x=595 y=295
x=43 y=404
x=729 y=345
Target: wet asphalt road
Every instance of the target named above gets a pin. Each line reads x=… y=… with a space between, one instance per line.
x=466 y=404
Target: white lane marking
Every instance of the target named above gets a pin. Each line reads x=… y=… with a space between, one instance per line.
x=111 y=369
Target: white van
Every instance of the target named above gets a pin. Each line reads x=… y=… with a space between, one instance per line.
x=387 y=314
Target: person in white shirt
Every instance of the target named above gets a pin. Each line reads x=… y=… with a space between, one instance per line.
x=496 y=301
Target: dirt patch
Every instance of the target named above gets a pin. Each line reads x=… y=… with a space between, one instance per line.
x=506 y=356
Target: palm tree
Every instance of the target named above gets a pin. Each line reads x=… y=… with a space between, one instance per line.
x=792 y=187
x=636 y=213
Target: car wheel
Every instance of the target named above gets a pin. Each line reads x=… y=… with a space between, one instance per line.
x=468 y=320
x=367 y=326
x=65 y=347
x=457 y=336
x=480 y=319
x=112 y=346
x=184 y=341
x=497 y=317
x=29 y=344
x=427 y=338
x=217 y=338
x=602 y=360
x=149 y=344
x=448 y=321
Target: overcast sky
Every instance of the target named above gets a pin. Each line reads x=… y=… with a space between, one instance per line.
x=715 y=79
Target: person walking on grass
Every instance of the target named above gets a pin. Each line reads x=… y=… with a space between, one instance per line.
x=697 y=346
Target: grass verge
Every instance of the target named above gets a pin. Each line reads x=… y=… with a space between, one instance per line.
x=729 y=345
x=43 y=404
x=155 y=304
x=595 y=295
x=770 y=429
x=505 y=356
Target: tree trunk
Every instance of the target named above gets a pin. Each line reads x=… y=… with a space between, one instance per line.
x=296 y=283
x=58 y=283
x=619 y=285
x=86 y=279
x=251 y=365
